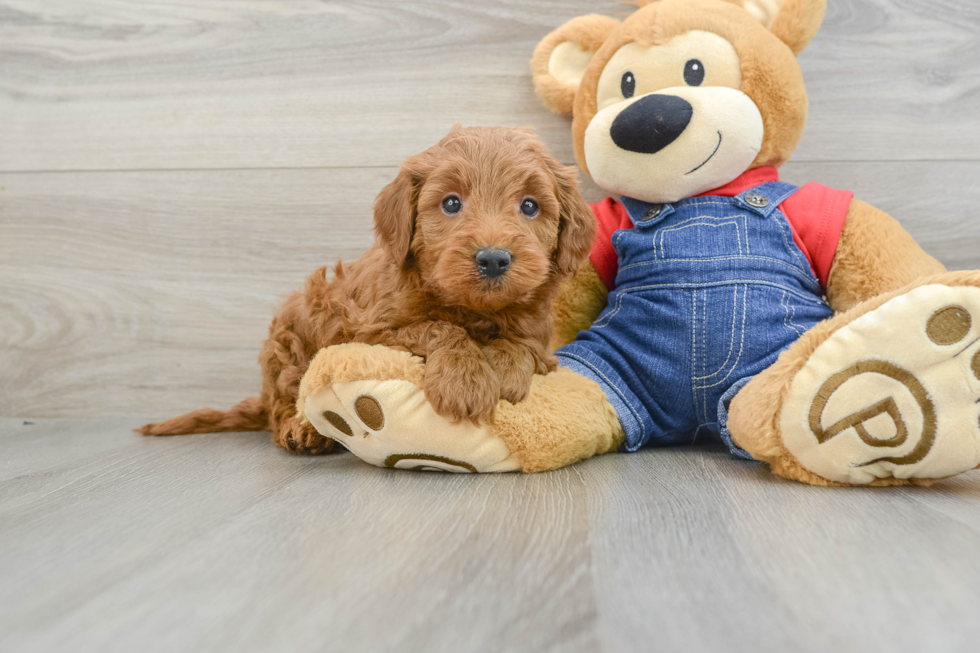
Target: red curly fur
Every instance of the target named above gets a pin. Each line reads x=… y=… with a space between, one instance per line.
x=418 y=287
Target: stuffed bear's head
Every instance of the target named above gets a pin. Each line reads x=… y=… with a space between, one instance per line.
x=684 y=95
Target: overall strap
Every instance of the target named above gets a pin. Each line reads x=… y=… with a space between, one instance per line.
x=645 y=214
x=766 y=198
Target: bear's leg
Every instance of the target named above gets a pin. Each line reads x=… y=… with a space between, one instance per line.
x=887 y=393
x=565 y=418
x=370 y=399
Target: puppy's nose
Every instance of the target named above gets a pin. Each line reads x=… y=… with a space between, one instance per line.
x=651 y=123
x=492 y=262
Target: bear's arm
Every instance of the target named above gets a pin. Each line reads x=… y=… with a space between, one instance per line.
x=579 y=302
x=583 y=296
x=874 y=255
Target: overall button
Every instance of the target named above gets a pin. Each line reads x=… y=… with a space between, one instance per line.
x=652 y=212
x=757 y=200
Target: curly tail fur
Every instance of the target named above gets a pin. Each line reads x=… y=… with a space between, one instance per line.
x=246 y=415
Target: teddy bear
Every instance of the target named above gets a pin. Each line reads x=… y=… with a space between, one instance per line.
x=802 y=326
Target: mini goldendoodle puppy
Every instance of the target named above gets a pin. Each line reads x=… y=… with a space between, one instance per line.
x=474 y=237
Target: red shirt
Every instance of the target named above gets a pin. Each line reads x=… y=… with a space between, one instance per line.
x=815 y=213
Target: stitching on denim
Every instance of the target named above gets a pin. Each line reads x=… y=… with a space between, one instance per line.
x=696 y=366
x=734 y=205
x=629 y=404
x=794 y=250
x=782 y=223
x=790 y=316
x=785 y=307
x=741 y=346
x=731 y=336
x=604 y=321
x=802 y=329
x=787 y=190
x=694 y=330
x=695 y=350
x=704 y=352
x=618 y=235
x=806 y=275
x=778 y=201
x=641 y=210
x=703 y=418
x=730 y=282
x=686 y=224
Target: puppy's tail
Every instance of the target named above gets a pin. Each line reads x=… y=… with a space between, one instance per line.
x=247 y=415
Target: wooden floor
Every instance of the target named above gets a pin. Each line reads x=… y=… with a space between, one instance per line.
x=169 y=170
x=114 y=542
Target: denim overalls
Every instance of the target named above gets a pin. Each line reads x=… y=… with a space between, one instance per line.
x=709 y=291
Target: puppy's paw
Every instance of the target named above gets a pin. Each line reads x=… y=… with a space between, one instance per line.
x=461 y=385
x=515 y=388
x=301 y=438
x=514 y=369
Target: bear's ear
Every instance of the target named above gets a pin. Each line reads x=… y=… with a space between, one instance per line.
x=794 y=22
x=561 y=58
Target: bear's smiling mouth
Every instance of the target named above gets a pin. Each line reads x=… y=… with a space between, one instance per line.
x=717 y=147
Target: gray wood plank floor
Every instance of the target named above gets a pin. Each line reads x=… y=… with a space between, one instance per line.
x=169 y=170
x=114 y=542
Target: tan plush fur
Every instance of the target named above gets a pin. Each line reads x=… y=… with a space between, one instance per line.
x=588 y=33
x=565 y=419
x=876 y=258
x=794 y=22
x=418 y=288
x=875 y=255
x=579 y=302
x=754 y=415
x=798 y=22
x=770 y=74
x=337 y=365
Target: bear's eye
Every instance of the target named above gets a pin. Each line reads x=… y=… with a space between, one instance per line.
x=694 y=72
x=628 y=85
x=529 y=208
x=451 y=205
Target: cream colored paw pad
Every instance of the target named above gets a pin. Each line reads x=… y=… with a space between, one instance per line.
x=894 y=393
x=390 y=424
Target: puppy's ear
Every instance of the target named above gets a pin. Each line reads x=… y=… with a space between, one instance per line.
x=560 y=59
x=454 y=132
x=395 y=213
x=576 y=222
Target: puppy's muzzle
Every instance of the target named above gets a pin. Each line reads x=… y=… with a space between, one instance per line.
x=492 y=263
x=651 y=123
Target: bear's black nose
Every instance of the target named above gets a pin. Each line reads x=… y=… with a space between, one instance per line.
x=492 y=263
x=651 y=123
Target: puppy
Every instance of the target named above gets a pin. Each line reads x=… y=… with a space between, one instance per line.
x=473 y=238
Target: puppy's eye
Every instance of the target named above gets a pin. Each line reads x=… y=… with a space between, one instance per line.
x=530 y=208
x=628 y=85
x=451 y=205
x=694 y=72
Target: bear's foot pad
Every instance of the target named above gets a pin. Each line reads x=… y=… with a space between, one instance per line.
x=389 y=423
x=894 y=393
